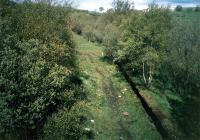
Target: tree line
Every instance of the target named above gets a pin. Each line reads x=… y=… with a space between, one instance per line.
x=148 y=43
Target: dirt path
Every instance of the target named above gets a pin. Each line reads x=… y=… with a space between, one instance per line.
x=110 y=96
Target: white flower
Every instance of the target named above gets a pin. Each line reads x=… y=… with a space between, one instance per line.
x=87 y=129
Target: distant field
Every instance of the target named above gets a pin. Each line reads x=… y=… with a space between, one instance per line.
x=189 y=16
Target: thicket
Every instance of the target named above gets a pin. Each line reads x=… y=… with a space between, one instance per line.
x=180 y=67
x=39 y=75
x=100 y=28
x=143 y=42
x=159 y=48
x=156 y=46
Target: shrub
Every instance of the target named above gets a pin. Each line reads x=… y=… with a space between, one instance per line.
x=197 y=8
x=66 y=124
x=178 y=8
x=110 y=40
x=38 y=70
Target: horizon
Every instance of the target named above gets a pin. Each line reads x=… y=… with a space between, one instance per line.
x=93 y=5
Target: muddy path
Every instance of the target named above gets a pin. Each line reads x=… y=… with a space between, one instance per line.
x=112 y=97
x=111 y=93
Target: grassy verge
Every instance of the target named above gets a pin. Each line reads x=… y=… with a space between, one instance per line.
x=179 y=114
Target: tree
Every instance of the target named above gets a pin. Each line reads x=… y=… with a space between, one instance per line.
x=110 y=40
x=143 y=41
x=122 y=6
x=182 y=68
x=101 y=9
x=197 y=8
x=178 y=8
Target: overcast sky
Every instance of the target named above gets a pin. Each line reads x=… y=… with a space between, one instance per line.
x=93 y=5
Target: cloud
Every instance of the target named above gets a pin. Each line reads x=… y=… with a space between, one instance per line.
x=141 y=4
x=174 y=3
x=93 y=5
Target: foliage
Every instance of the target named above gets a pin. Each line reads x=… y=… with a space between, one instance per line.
x=66 y=124
x=182 y=69
x=110 y=40
x=122 y=6
x=103 y=28
x=143 y=40
x=39 y=73
x=178 y=8
x=197 y=8
x=103 y=78
x=101 y=9
x=159 y=48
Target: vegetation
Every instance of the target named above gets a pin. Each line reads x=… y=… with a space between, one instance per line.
x=53 y=57
x=122 y=6
x=142 y=42
x=39 y=73
x=109 y=97
x=197 y=9
x=178 y=8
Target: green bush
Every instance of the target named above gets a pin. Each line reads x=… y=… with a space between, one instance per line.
x=66 y=124
x=142 y=41
x=38 y=69
x=178 y=8
x=181 y=69
x=110 y=40
x=197 y=8
x=33 y=82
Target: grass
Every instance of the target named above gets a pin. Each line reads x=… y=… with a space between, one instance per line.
x=158 y=99
x=109 y=97
x=178 y=113
x=188 y=16
x=105 y=84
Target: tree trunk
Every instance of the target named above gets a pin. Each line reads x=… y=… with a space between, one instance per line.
x=144 y=77
x=150 y=75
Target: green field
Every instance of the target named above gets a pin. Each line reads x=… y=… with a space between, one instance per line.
x=188 y=16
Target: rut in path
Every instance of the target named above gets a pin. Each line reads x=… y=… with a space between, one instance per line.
x=111 y=93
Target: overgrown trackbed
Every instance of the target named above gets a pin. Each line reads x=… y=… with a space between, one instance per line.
x=115 y=112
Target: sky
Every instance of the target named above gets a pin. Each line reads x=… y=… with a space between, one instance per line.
x=93 y=5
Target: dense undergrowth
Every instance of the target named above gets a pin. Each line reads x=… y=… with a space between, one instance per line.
x=41 y=92
x=159 y=48
x=39 y=78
